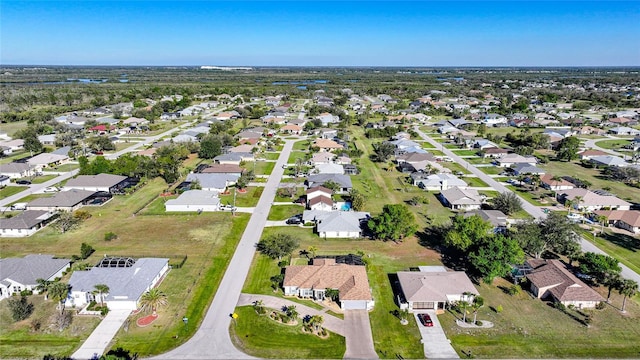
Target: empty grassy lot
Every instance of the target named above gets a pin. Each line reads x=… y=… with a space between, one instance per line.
x=390 y=337
x=7 y=191
x=597 y=180
x=613 y=144
x=259 y=336
x=208 y=240
x=296 y=155
x=283 y=212
x=474 y=181
x=260 y=167
x=529 y=328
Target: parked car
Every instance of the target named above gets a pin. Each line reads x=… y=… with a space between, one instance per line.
x=425 y=319
x=51 y=189
x=23 y=182
x=295 y=220
x=228 y=208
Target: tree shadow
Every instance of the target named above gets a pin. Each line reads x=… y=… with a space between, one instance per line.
x=622 y=240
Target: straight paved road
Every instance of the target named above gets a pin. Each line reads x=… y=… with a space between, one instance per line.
x=527 y=206
x=212 y=340
x=35 y=188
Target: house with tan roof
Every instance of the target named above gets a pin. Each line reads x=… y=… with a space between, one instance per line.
x=587 y=200
x=461 y=199
x=312 y=281
x=322 y=158
x=556 y=185
x=588 y=154
x=291 y=129
x=551 y=279
x=628 y=220
x=433 y=287
x=327 y=145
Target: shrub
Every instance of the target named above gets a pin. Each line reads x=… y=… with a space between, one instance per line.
x=26 y=292
x=601 y=305
x=20 y=308
x=515 y=290
x=559 y=306
x=81 y=214
x=36 y=324
x=110 y=236
x=479 y=323
x=499 y=309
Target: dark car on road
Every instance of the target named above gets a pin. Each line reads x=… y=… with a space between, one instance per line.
x=23 y=182
x=425 y=319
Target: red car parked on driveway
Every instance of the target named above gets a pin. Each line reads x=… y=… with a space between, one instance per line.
x=425 y=319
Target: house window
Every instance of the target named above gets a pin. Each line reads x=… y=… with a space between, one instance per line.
x=306 y=293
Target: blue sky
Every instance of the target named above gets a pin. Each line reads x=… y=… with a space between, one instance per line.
x=324 y=33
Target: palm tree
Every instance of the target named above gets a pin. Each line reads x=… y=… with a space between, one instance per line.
x=58 y=292
x=478 y=302
x=576 y=201
x=601 y=219
x=628 y=288
x=554 y=186
x=316 y=322
x=291 y=311
x=569 y=204
x=152 y=300
x=535 y=181
x=101 y=289
x=612 y=281
x=312 y=249
x=258 y=306
x=43 y=287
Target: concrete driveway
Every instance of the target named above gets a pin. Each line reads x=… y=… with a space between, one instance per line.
x=435 y=342
x=101 y=336
x=358 y=335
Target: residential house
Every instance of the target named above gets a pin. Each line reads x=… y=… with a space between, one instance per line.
x=24 y=224
x=327 y=118
x=244 y=148
x=291 y=129
x=551 y=279
x=194 y=201
x=47 y=140
x=311 y=281
x=588 y=154
x=322 y=158
x=494 y=120
x=590 y=130
x=43 y=160
x=608 y=160
x=587 y=200
x=320 y=203
x=233 y=158
x=17 y=170
x=67 y=200
x=217 y=182
x=223 y=169
x=327 y=145
x=439 y=182
x=127 y=279
x=482 y=144
x=496 y=218
x=555 y=185
x=350 y=169
x=513 y=159
x=343 y=181
x=623 y=130
x=433 y=288
x=339 y=224
x=494 y=152
x=630 y=221
x=13 y=145
x=4 y=181
x=327 y=133
x=18 y=274
x=526 y=169
x=101 y=182
x=329 y=169
x=461 y=199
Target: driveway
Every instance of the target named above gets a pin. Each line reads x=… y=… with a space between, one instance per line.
x=533 y=210
x=358 y=335
x=101 y=336
x=435 y=342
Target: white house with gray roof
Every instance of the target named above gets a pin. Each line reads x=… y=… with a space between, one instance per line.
x=194 y=201
x=63 y=201
x=18 y=274
x=461 y=199
x=101 y=182
x=212 y=181
x=24 y=224
x=16 y=170
x=336 y=224
x=127 y=281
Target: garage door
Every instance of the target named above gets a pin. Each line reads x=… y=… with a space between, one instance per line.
x=423 y=305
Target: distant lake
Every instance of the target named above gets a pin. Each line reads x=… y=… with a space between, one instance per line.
x=300 y=82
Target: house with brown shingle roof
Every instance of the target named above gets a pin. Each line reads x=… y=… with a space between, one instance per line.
x=551 y=279
x=433 y=287
x=549 y=183
x=311 y=281
x=588 y=154
x=630 y=221
x=291 y=129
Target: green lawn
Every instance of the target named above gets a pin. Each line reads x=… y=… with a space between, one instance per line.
x=529 y=328
x=248 y=199
x=11 y=190
x=283 y=212
x=613 y=144
x=264 y=338
x=296 y=155
x=270 y=156
x=623 y=247
x=436 y=152
x=260 y=167
x=596 y=179
x=491 y=170
x=474 y=181
x=455 y=167
x=67 y=167
x=478 y=160
x=465 y=152
x=537 y=198
x=301 y=145
x=15 y=156
x=43 y=178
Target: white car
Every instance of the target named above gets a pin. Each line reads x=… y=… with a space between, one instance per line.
x=51 y=189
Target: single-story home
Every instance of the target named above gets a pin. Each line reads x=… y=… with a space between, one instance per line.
x=343 y=181
x=336 y=224
x=327 y=144
x=291 y=129
x=461 y=199
x=588 y=200
x=608 y=160
x=494 y=152
x=66 y=200
x=551 y=279
x=555 y=185
x=223 y=169
x=433 y=287
x=17 y=274
x=17 y=170
x=440 y=182
x=127 y=279
x=330 y=169
x=321 y=203
x=43 y=160
x=311 y=281
x=317 y=191
x=588 y=154
x=4 y=181
x=522 y=169
x=513 y=159
x=233 y=158
x=630 y=221
x=102 y=182
x=213 y=182
x=194 y=201
x=24 y=224
x=495 y=217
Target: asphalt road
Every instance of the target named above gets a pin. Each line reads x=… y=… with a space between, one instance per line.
x=212 y=340
x=533 y=210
